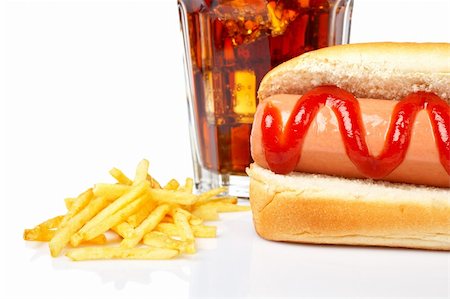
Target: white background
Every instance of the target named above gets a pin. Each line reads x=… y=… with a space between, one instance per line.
x=88 y=85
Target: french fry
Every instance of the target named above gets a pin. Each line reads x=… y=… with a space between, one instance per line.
x=50 y=223
x=181 y=221
x=204 y=231
x=225 y=207
x=41 y=235
x=142 y=253
x=206 y=213
x=137 y=218
x=69 y=202
x=172 y=185
x=188 y=186
x=173 y=197
x=194 y=220
x=111 y=191
x=166 y=220
x=64 y=234
x=120 y=176
x=146 y=226
x=43 y=232
x=168 y=228
x=77 y=205
x=227 y=199
x=99 y=240
x=211 y=193
x=116 y=218
x=162 y=240
x=141 y=172
x=123 y=229
x=46 y=235
x=118 y=204
x=199 y=231
x=154 y=183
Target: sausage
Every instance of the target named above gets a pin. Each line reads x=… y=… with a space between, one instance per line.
x=323 y=149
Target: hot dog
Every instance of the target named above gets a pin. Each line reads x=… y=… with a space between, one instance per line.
x=351 y=146
x=324 y=152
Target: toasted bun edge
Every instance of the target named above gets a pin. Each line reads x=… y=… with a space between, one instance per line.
x=309 y=208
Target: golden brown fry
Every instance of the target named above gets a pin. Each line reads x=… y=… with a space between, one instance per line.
x=146 y=226
x=172 y=185
x=123 y=229
x=41 y=235
x=111 y=191
x=69 y=202
x=120 y=176
x=116 y=218
x=64 y=234
x=99 y=240
x=137 y=218
x=227 y=199
x=173 y=197
x=211 y=193
x=142 y=253
x=206 y=213
x=43 y=232
x=167 y=218
x=162 y=240
x=225 y=207
x=204 y=231
x=181 y=221
x=194 y=220
x=77 y=205
x=118 y=204
x=199 y=231
x=154 y=183
x=51 y=223
x=168 y=228
x=141 y=172
x=45 y=235
x=188 y=186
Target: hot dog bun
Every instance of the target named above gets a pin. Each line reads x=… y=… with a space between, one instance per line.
x=328 y=209
x=324 y=209
x=373 y=70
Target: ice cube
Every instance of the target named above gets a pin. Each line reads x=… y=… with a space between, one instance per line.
x=240 y=10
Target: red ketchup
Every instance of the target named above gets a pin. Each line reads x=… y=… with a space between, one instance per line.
x=283 y=146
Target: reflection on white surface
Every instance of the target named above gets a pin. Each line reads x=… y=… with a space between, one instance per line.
x=226 y=270
x=331 y=270
x=240 y=264
x=248 y=266
x=121 y=273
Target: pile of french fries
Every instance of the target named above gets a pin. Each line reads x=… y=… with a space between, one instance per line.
x=151 y=222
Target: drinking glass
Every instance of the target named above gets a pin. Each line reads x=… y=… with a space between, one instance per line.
x=229 y=45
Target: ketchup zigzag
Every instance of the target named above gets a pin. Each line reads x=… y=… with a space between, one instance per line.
x=283 y=146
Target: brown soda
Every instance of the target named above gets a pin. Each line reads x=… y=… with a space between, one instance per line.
x=233 y=44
